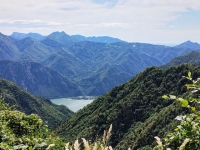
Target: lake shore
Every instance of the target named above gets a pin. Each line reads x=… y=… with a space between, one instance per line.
x=74 y=103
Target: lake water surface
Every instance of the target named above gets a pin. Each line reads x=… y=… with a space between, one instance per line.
x=72 y=103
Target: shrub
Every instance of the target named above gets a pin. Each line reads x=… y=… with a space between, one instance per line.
x=187 y=134
x=21 y=131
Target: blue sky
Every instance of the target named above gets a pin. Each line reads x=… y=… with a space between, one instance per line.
x=167 y=22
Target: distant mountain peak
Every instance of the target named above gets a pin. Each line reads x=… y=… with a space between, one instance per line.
x=19 y=36
x=189 y=42
x=58 y=33
x=63 y=32
x=190 y=45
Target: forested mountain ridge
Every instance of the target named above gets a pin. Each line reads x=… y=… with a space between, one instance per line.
x=33 y=50
x=135 y=109
x=85 y=61
x=20 y=36
x=103 y=80
x=67 y=64
x=74 y=38
x=25 y=102
x=191 y=58
x=8 y=48
x=38 y=80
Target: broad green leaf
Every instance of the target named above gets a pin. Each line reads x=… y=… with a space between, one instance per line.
x=190 y=85
x=189 y=74
x=193 y=108
x=165 y=97
x=30 y=148
x=184 y=103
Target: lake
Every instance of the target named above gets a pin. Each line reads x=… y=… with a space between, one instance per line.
x=73 y=104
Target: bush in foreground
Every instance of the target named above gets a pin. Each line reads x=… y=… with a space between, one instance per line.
x=186 y=136
x=21 y=131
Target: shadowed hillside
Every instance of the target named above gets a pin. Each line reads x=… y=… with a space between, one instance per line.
x=135 y=109
x=38 y=80
x=190 y=58
x=27 y=103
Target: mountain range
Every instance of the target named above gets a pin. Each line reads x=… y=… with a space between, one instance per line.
x=86 y=64
x=38 y=80
x=63 y=37
x=20 y=36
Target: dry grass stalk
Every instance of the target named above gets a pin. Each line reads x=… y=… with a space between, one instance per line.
x=184 y=143
x=160 y=146
x=76 y=145
x=67 y=146
x=95 y=146
x=109 y=133
x=51 y=145
x=102 y=147
x=86 y=144
x=104 y=137
x=110 y=148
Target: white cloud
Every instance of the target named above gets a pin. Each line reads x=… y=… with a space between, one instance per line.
x=121 y=18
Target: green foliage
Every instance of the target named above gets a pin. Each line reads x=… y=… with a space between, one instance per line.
x=103 y=80
x=189 y=128
x=21 y=131
x=29 y=104
x=135 y=109
x=187 y=134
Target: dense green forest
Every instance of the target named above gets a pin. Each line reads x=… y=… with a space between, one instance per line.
x=135 y=109
x=191 y=58
x=25 y=102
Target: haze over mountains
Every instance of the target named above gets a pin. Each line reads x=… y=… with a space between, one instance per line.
x=67 y=38
x=89 y=65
